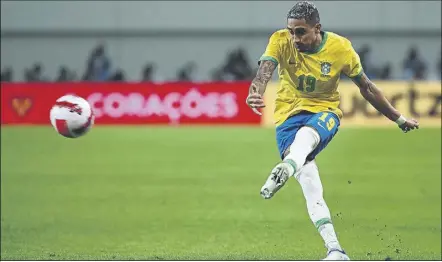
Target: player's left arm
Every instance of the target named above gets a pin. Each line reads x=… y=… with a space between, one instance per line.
x=377 y=99
x=372 y=93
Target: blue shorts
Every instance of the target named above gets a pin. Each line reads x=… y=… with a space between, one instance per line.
x=325 y=123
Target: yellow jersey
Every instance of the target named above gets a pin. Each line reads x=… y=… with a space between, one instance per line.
x=309 y=80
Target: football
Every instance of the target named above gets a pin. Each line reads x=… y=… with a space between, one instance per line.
x=71 y=116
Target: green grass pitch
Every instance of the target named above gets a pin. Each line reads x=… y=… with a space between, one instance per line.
x=192 y=193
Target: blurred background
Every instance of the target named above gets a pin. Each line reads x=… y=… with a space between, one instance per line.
x=168 y=41
x=172 y=168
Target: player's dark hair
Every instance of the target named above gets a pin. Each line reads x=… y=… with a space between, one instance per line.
x=305 y=10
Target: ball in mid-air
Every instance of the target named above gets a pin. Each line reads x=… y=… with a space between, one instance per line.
x=72 y=116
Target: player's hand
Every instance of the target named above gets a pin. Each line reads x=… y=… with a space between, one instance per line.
x=409 y=125
x=255 y=101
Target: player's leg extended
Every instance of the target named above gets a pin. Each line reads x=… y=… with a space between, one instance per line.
x=305 y=142
x=285 y=136
x=307 y=135
x=311 y=185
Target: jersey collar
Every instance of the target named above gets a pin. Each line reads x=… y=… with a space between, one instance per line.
x=319 y=48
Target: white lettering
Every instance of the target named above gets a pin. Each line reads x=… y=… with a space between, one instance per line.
x=173 y=112
x=212 y=105
x=93 y=99
x=191 y=104
x=134 y=104
x=153 y=106
x=229 y=105
x=174 y=105
x=114 y=105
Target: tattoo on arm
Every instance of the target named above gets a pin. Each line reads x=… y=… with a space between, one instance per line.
x=263 y=76
x=375 y=97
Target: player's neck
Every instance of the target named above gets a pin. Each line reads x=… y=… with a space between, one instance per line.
x=318 y=41
x=317 y=44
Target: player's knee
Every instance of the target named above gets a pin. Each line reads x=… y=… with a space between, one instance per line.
x=286 y=153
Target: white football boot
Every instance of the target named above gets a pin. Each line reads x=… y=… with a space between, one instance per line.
x=278 y=177
x=337 y=255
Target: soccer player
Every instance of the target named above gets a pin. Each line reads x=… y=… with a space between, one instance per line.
x=307 y=115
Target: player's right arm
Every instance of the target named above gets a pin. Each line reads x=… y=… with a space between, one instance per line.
x=259 y=84
x=267 y=64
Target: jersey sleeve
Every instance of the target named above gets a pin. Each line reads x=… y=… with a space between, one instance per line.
x=273 y=50
x=352 y=67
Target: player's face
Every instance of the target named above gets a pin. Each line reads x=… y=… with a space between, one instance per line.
x=304 y=35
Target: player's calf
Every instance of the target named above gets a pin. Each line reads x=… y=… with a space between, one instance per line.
x=318 y=210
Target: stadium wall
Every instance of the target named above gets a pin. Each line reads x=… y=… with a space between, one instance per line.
x=119 y=16
x=203 y=103
x=133 y=103
x=170 y=53
x=138 y=32
x=420 y=100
